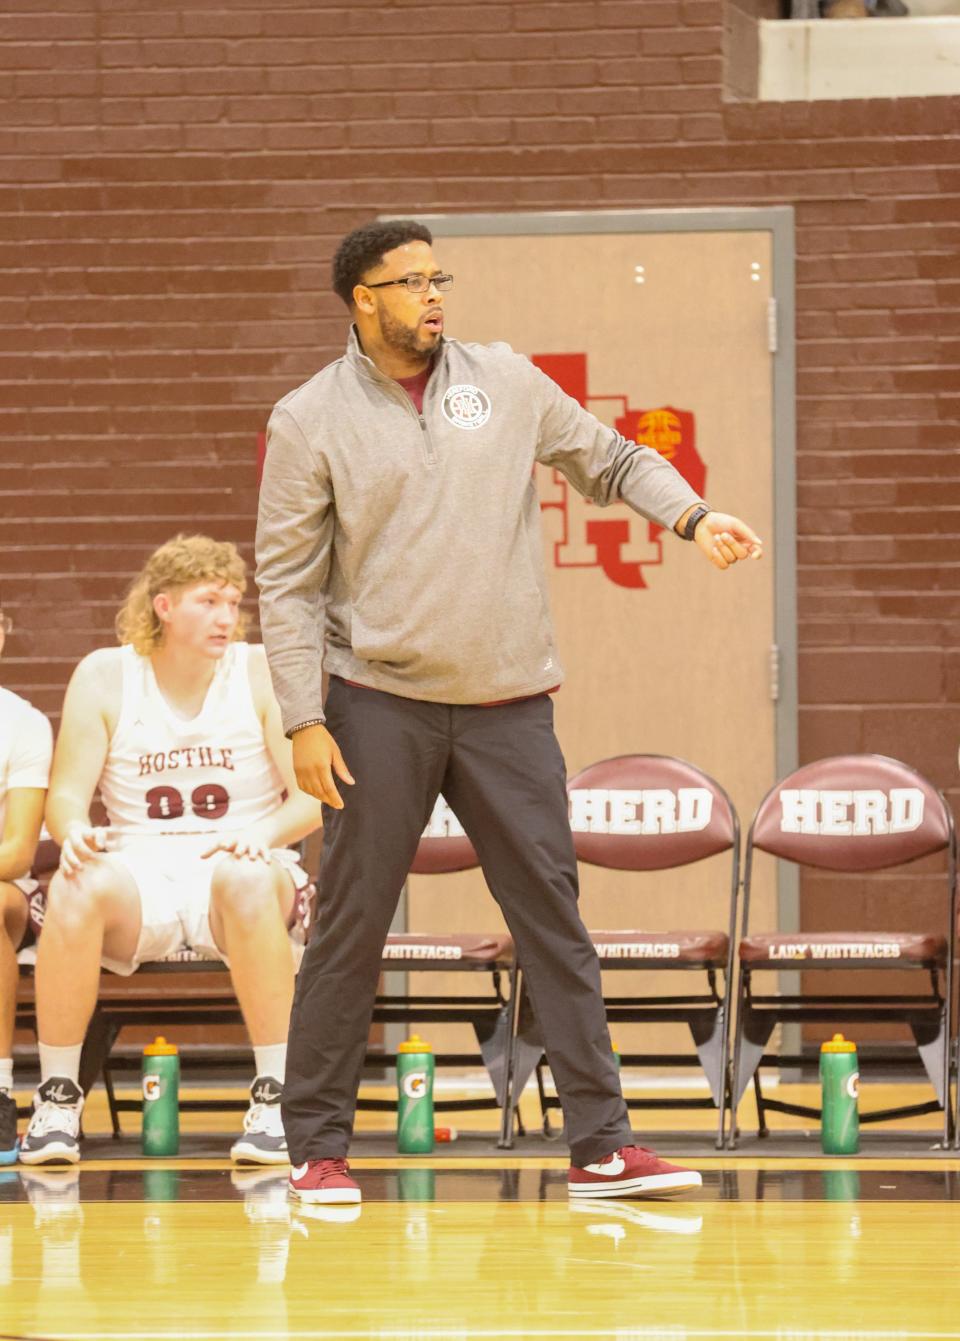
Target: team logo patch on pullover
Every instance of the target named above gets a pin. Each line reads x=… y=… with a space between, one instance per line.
x=466 y=406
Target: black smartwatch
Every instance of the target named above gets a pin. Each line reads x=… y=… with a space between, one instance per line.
x=694 y=520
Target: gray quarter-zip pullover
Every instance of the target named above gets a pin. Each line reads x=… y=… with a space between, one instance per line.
x=403 y=551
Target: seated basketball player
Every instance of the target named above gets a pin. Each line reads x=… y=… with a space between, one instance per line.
x=179 y=729
x=26 y=744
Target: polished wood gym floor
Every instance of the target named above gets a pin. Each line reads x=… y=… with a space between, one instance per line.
x=460 y=1247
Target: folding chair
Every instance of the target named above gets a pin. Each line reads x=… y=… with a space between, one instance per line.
x=651 y=812
x=850 y=813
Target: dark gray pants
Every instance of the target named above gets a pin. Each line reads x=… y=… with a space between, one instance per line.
x=501 y=771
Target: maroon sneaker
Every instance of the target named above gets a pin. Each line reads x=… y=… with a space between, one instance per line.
x=324 y=1180
x=631 y=1171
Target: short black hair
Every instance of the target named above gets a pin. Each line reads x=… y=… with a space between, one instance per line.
x=365 y=248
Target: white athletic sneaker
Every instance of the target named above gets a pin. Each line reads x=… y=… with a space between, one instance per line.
x=263 y=1140
x=53 y=1136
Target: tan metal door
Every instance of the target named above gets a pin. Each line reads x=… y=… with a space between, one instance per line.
x=666 y=335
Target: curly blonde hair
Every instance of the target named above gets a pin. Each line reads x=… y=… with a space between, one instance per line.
x=179 y=563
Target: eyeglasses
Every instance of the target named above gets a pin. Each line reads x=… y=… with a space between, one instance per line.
x=417 y=283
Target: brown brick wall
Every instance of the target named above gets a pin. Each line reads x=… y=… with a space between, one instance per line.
x=174 y=181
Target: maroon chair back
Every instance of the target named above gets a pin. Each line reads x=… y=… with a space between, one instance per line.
x=648 y=812
x=853 y=812
x=443 y=846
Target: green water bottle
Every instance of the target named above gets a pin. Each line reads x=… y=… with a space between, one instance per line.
x=417 y=1184
x=840 y=1089
x=161 y=1184
x=841 y=1185
x=415 y=1097
x=160 y=1131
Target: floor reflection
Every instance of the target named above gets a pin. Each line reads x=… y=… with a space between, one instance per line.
x=462 y=1253
x=481 y=1184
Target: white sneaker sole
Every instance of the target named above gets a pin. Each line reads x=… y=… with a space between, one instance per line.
x=654 y=1184
x=54 y=1153
x=334 y=1196
x=244 y=1152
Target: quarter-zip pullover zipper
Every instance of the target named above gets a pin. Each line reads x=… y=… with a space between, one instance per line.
x=429 y=451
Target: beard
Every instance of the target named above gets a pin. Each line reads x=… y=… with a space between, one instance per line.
x=411 y=341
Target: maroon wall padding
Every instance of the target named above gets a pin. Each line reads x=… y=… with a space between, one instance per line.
x=658 y=851
x=864 y=773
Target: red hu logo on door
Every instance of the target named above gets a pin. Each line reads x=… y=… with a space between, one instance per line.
x=621 y=544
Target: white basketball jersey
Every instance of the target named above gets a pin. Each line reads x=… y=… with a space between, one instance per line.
x=211 y=774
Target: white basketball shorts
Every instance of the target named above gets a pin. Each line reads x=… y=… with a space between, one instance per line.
x=173 y=880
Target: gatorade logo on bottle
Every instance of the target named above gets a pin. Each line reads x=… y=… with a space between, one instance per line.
x=415 y=1084
x=853 y=1085
x=151 y=1087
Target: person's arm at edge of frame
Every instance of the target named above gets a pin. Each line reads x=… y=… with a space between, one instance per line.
x=79 y=758
x=31 y=753
x=22 y=822
x=294 y=541
x=604 y=466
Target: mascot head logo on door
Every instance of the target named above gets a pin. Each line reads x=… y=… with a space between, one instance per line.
x=616 y=540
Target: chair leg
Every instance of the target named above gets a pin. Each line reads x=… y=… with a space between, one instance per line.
x=507 y=1102
x=737 y=1050
x=762 y=1129
x=546 y=1124
x=526 y=1050
x=111 y=1100
x=100 y=1037
x=726 y=1105
x=945 y=1016
x=726 y=1091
